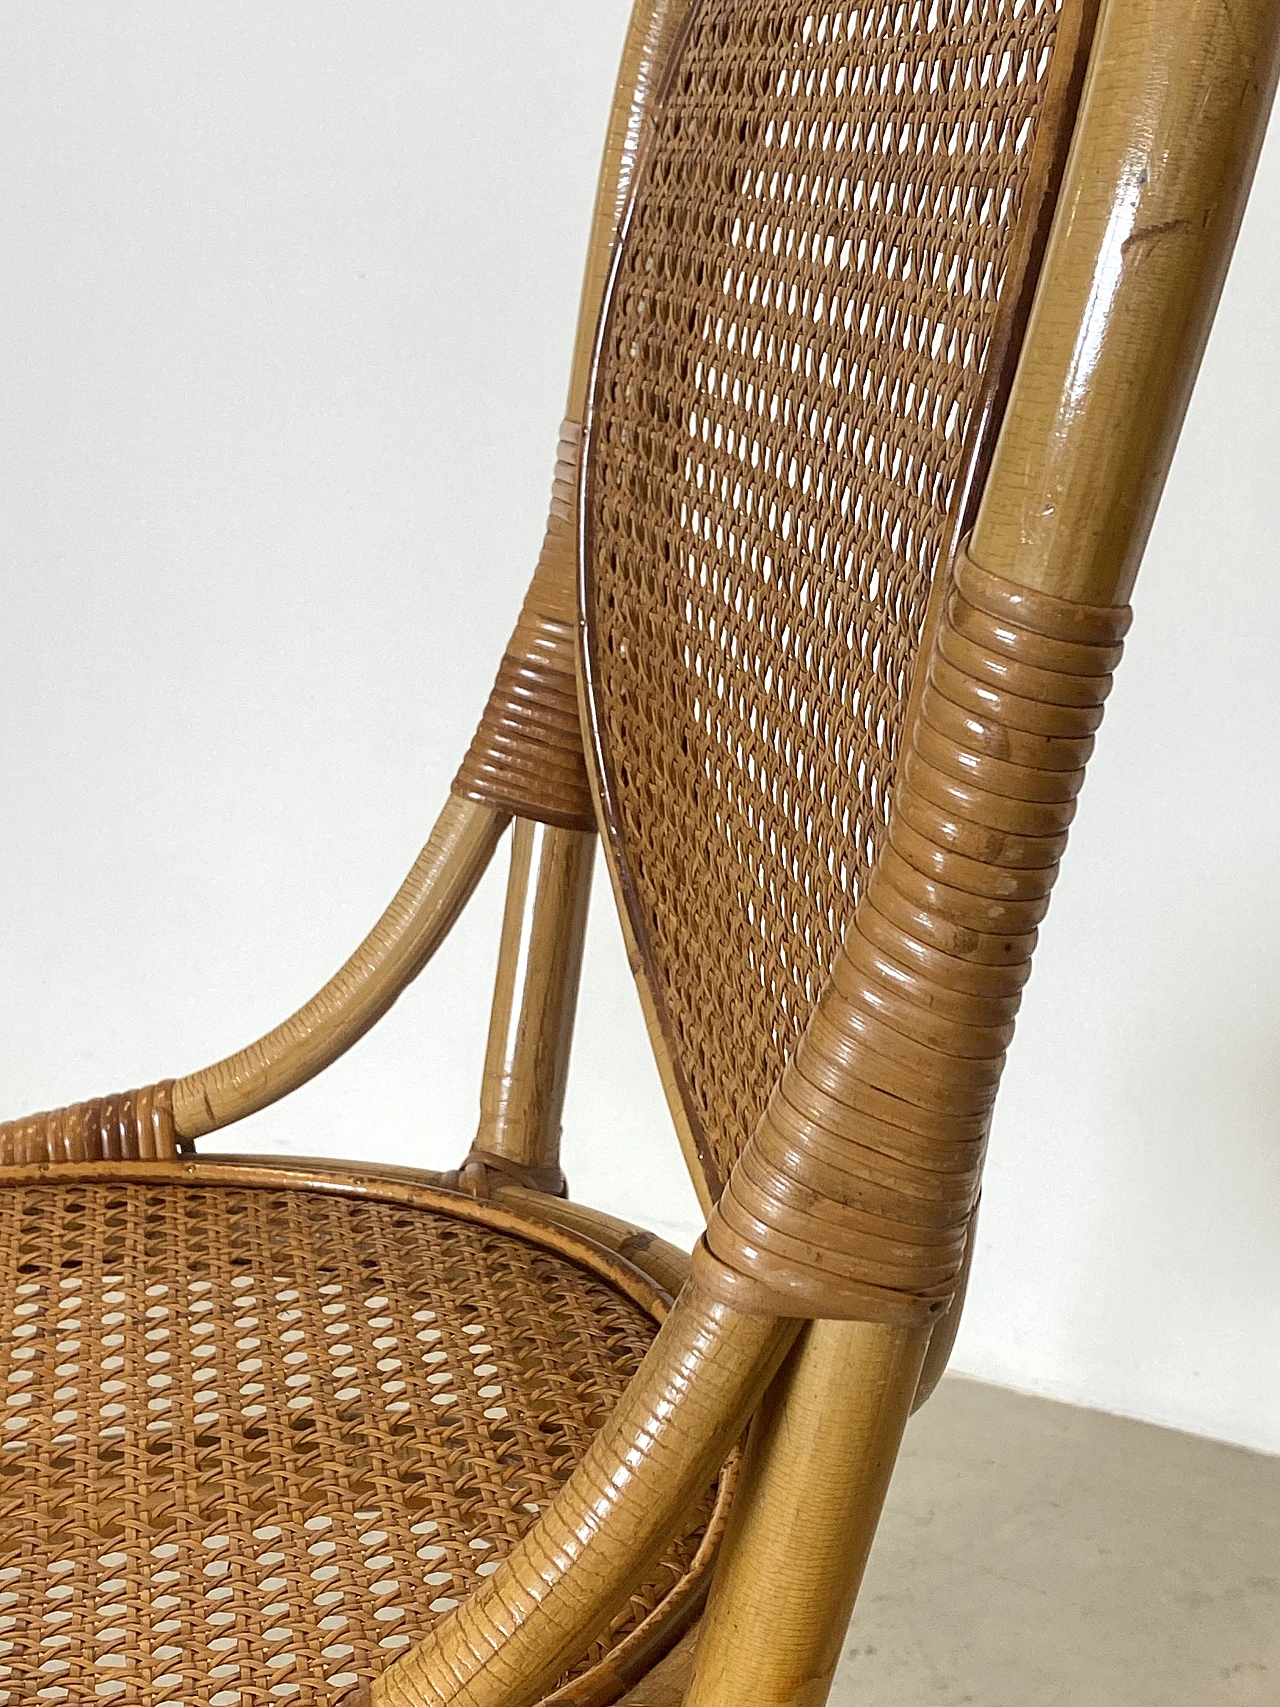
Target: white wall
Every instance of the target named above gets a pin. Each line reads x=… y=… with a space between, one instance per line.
x=285 y=312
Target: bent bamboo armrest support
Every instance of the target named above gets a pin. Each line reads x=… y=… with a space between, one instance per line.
x=151 y=1123
x=507 y=1645
x=390 y=957
x=147 y=1124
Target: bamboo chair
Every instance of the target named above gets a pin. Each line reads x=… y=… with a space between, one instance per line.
x=890 y=320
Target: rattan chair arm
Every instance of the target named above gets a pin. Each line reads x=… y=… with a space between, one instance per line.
x=508 y=1644
x=390 y=957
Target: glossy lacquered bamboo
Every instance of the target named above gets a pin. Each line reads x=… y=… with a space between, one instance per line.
x=652 y=37
x=662 y=1261
x=704 y=1376
x=817 y=1467
x=535 y=998
x=1173 y=115
x=387 y=961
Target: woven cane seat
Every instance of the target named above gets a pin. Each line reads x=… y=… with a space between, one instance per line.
x=257 y=1440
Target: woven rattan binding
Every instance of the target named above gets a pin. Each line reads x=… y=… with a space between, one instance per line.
x=135 y=1126
x=854 y=1196
x=483 y=1170
x=526 y=757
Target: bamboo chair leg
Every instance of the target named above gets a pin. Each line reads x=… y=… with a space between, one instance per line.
x=817 y=1466
x=534 y=1001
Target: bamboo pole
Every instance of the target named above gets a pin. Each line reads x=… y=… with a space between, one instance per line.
x=817 y=1467
x=535 y=997
x=1172 y=118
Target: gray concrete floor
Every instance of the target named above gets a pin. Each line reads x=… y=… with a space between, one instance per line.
x=1035 y=1555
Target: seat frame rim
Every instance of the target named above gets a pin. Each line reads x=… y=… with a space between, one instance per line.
x=341 y=1180
x=624 y=1665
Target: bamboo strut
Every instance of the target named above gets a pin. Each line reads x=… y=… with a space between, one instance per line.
x=535 y=996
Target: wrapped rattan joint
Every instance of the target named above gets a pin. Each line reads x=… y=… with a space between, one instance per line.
x=845 y=1207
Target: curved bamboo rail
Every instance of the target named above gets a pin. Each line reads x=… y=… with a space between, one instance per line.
x=507 y=1645
x=397 y=948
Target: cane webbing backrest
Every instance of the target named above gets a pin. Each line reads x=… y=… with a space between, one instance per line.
x=833 y=230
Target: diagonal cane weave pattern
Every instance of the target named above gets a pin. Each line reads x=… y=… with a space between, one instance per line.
x=255 y=1441
x=790 y=377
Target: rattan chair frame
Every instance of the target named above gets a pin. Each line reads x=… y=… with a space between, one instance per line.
x=1162 y=151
